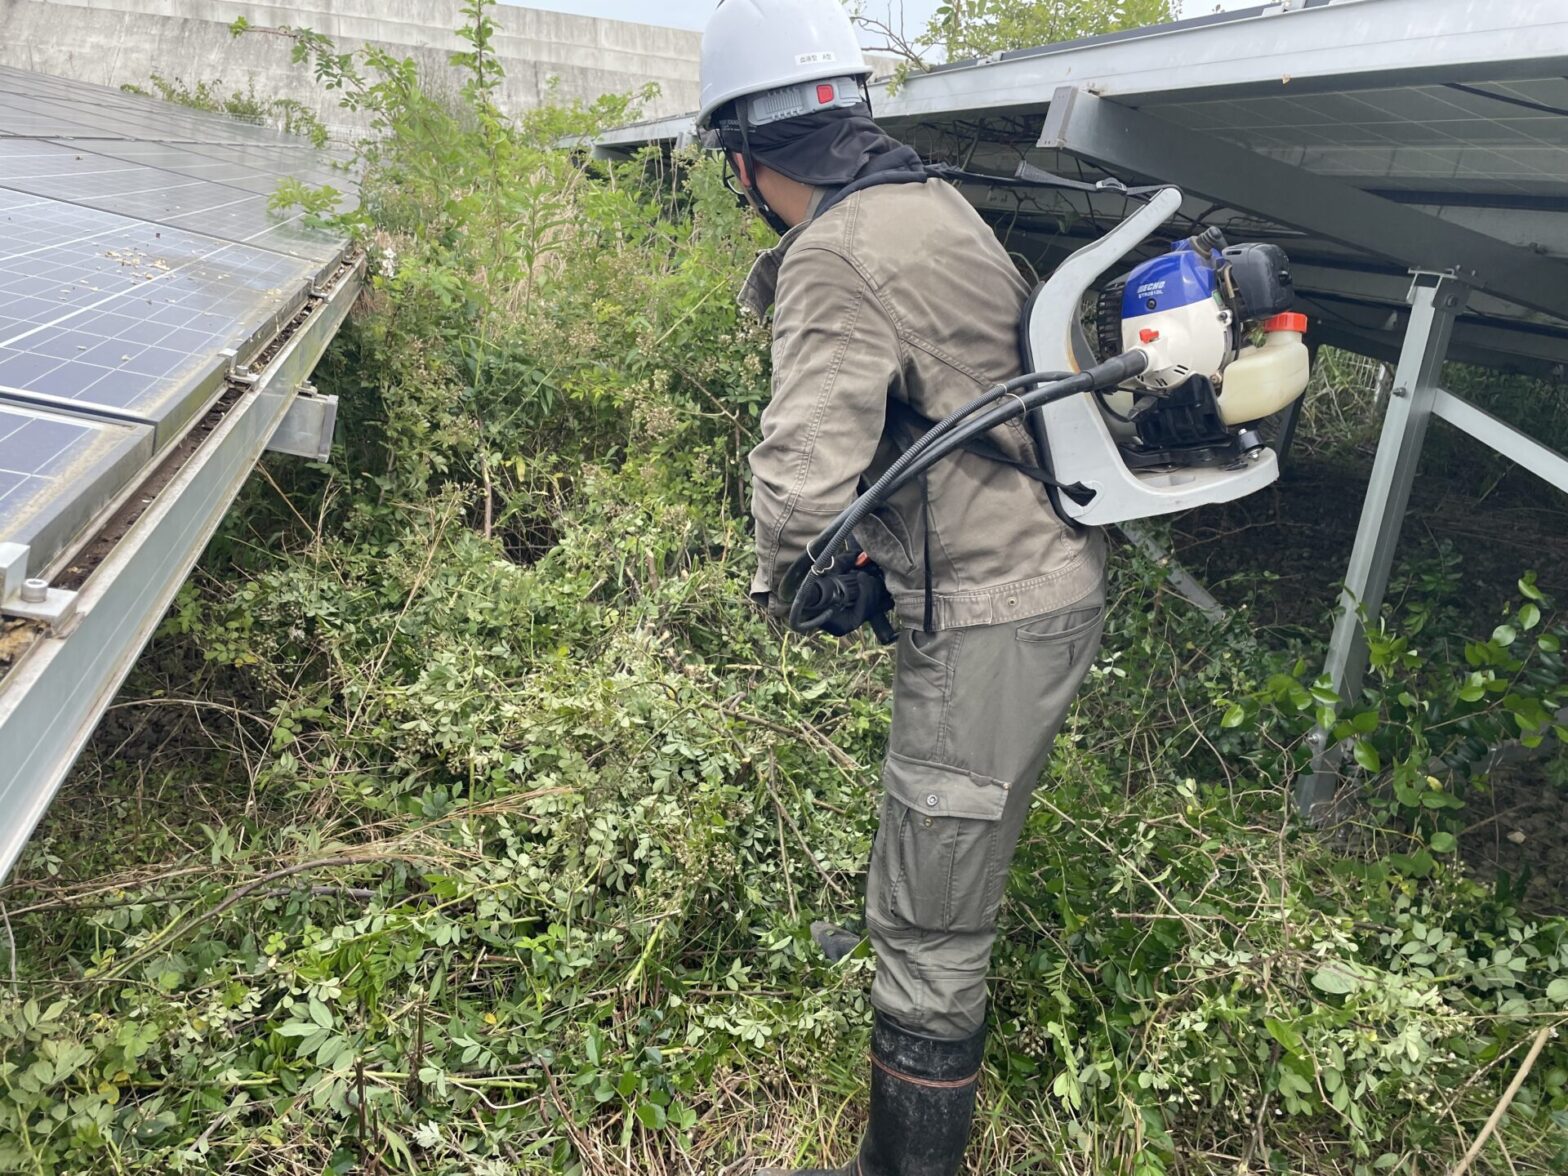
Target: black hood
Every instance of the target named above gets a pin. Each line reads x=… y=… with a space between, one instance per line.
x=827 y=149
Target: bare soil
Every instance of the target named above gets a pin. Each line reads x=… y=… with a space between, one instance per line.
x=1519 y=829
x=1300 y=532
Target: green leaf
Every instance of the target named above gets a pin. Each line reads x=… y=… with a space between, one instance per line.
x=1505 y=635
x=1548 y=643
x=1529 y=617
x=1557 y=991
x=650 y=1115
x=1528 y=589
x=1284 y=1033
x=320 y=1014
x=1443 y=842
x=1333 y=979
x=1367 y=756
x=1234 y=716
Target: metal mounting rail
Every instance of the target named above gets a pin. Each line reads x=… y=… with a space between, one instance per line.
x=52 y=699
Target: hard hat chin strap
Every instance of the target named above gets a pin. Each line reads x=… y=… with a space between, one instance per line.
x=748 y=178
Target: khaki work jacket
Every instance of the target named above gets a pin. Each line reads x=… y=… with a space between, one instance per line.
x=902 y=292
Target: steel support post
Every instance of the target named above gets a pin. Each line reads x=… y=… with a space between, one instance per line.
x=1435 y=301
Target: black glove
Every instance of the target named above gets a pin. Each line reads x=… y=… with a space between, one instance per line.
x=840 y=601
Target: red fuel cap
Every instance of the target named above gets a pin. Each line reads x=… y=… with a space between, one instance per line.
x=1289 y=321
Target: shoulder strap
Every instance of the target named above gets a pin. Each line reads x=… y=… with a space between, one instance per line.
x=982 y=447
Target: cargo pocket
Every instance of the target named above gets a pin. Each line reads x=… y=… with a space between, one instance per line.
x=939 y=850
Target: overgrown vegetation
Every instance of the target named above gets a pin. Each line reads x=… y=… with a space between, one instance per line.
x=465 y=817
x=286 y=114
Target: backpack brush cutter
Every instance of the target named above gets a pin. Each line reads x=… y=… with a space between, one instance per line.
x=1201 y=347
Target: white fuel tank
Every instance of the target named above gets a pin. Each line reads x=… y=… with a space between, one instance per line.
x=1262 y=380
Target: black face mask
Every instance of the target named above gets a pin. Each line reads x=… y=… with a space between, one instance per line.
x=829 y=149
x=735 y=139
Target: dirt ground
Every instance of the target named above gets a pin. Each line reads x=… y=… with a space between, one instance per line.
x=1301 y=530
x=1520 y=829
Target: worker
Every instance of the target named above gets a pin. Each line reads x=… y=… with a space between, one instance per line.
x=894 y=303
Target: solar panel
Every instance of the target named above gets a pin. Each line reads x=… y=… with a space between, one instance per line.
x=177 y=196
x=140 y=267
x=137 y=258
x=122 y=317
x=57 y=472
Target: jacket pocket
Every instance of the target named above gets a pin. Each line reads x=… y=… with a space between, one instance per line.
x=938 y=852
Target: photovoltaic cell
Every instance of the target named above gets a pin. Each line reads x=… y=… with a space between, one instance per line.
x=137 y=252
x=121 y=317
x=58 y=471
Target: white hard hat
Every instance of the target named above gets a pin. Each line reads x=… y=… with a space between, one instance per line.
x=753 y=47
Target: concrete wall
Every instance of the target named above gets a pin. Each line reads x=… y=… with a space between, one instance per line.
x=113 y=42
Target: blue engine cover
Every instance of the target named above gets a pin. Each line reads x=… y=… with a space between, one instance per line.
x=1178 y=279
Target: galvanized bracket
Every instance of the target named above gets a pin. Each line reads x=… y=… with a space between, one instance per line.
x=39 y=602
x=307 y=427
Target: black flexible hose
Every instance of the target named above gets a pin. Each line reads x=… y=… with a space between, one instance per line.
x=930 y=436
x=944 y=438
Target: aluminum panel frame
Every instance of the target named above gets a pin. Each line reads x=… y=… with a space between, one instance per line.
x=64 y=491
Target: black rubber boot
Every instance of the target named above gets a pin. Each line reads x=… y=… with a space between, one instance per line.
x=922 y=1103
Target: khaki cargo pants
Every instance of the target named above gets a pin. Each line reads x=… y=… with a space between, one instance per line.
x=975 y=712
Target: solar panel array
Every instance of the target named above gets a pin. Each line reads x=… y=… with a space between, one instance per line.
x=1459 y=113
x=137 y=253
x=1506 y=139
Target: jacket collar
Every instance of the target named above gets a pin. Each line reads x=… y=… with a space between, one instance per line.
x=761 y=285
